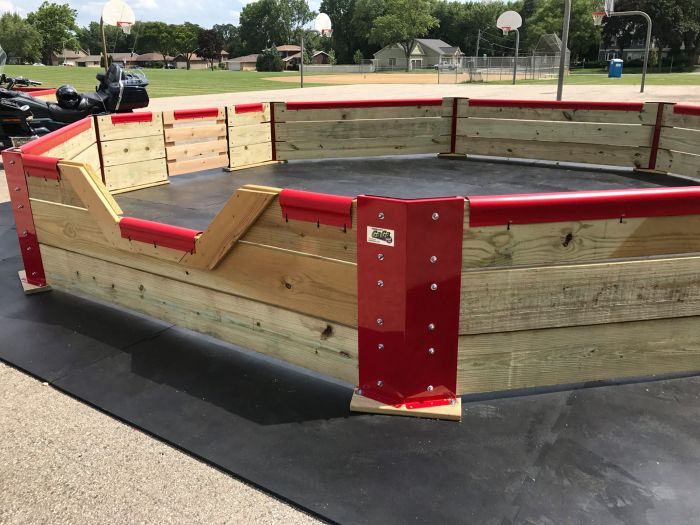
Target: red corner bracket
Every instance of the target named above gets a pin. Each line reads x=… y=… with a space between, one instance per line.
x=24 y=221
x=409 y=255
x=321 y=208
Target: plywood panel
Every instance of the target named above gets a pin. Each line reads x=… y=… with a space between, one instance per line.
x=680 y=120
x=73 y=146
x=52 y=190
x=510 y=360
x=245 y=135
x=563 y=152
x=248 y=118
x=91 y=155
x=533 y=298
x=315 y=344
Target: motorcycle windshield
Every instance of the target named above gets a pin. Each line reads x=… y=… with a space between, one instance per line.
x=3 y=60
x=134 y=77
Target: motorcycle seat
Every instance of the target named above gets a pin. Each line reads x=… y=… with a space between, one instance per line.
x=59 y=114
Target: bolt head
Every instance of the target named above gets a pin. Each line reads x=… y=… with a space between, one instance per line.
x=12 y=163
x=433 y=259
x=380 y=383
x=380 y=283
x=380 y=346
x=436 y=216
x=431 y=351
x=433 y=287
x=17 y=188
x=34 y=274
x=380 y=322
x=430 y=388
x=29 y=248
x=380 y=215
x=453 y=402
x=380 y=256
x=359 y=391
x=431 y=327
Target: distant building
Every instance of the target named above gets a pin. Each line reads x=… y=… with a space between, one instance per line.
x=426 y=52
x=151 y=60
x=635 y=51
x=67 y=57
x=197 y=62
x=123 y=59
x=245 y=63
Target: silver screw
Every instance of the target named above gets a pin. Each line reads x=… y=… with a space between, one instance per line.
x=380 y=215
x=29 y=248
x=380 y=383
x=20 y=206
x=433 y=287
x=380 y=322
x=431 y=327
x=453 y=401
x=431 y=351
x=17 y=188
x=430 y=388
x=433 y=259
x=436 y=216
x=12 y=163
x=24 y=233
x=380 y=346
x=34 y=274
x=359 y=391
x=380 y=256
x=380 y=283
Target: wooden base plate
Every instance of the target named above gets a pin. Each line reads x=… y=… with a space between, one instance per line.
x=452 y=156
x=140 y=187
x=31 y=288
x=255 y=165
x=365 y=404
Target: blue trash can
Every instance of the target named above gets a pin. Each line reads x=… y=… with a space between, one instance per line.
x=615 y=68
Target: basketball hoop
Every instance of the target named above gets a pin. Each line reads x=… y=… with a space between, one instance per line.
x=125 y=26
x=598 y=17
x=509 y=21
x=326 y=33
x=505 y=29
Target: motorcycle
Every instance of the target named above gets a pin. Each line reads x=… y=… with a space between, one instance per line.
x=24 y=118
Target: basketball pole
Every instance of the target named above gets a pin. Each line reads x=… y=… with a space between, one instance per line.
x=517 y=49
x=648 y=43
x=564 y=47
x=104 y=43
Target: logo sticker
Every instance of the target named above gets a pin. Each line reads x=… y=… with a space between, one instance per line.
x=382 y=236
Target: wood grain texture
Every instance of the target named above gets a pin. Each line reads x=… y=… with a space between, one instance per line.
x=679 y=139
x=312 y=343
x=51 y=190
x=197 y=164
x=129 y=130
x=562 y=152
x=679 y=163
x=557 y=132
x=197 y=149
x=535 y=358
x=680 y=120
x=129 y=151
x=245 y=135
x=125 y=176
x=195 y=132
x=586 y=294
x=247 y=119
x=309 y=115
x=329 y=131
x=578 y=241
x=242 y=156
x=328 y=149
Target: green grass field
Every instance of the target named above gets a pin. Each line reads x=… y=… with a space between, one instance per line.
x=629 y=79
x=162 y=82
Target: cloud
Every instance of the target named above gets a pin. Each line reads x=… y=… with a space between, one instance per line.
x=8 y=7
x=146 y=4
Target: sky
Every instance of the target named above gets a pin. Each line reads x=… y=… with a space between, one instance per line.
x=199 y=12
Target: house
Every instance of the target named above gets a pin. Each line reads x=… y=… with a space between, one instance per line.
x=635 y=51
x=425 y=53
x=67 y=57
x=288 y=50
x=320 y=57
x=245 y=63
x=152 y=60
x=197 y=62
x=291 y=61
x=96 y=60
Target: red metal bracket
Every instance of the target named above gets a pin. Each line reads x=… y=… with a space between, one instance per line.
x=321 y=208
x=24 y=221
x=129 y=118
x=248 y=108
x=273 y=132
x=453 y=126
x=158 y=234
x=653 y=154
x=342 y=104
x=55 y=138
x=41 y=167
x=409 y=256
x=553 y=104
x=532 y=208
x=686 y=109
x=183 y=114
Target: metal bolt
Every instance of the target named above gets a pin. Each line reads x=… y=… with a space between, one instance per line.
x=380 y=322
x=20 y=206
x=24 y=233
x=380 y=215
x=29 y=248
x=359 y=391
x=433 y=259
x=380 y=383
x=431 y=327
x=380 y=346
x=430 y=388
x=436 y=216
x=12 y=163
x=453 y=401
x=17 y=188
x=431 y=351
x=380 y=256
x=380 y=283
x=433 y=287
x=34 y=274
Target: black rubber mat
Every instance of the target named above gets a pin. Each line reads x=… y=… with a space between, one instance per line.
x=610 y=454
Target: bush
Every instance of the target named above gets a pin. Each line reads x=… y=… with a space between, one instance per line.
x=269 y=60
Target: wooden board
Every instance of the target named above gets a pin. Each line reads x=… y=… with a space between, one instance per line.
x=129 y=130
x=558 y=132
x=330 y=132
x=449 y=412
x=509 y=360
x=647 y=116
x=680 y=163
x=578 y=241
x=585 y=294
x=28 y=288
x=137 y=174
x=194 y=150
x=241 y=156
x=51 y=190
x=679 y=139
x=245 y=135
x=194 y=132
x=73 y=146
x=312 y=343
x=296 y=150
x=91 y=155
x=197 y=164
x=248 y=118
x=129 y=151
x=679 y=120
x=350 y=114
x=562 y=152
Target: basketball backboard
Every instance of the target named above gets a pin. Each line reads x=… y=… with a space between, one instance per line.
x=508 y=21
x=323 y=25
x=609 y=7
x=118 y=13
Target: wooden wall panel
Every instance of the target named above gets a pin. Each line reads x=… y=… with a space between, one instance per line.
x=250 y=137
x=195 y=143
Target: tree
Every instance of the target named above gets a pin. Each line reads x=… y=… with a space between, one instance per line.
x=231 y=36
x=364 y=13
x=332 y=60
x=268 y=22
x=159 y=37
x=357 y=57
x=343 y=40
x=56 y=25
x=404 y=21
x=210 y=45
x=187 y=40
x=90 y=38
x=269 y=60
x=18 y=38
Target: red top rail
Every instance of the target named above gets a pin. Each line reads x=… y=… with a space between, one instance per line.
x=322 y=208
x=128 y=118
x=391 y=103
x=532 y=208
x=553 y=104
x=182 y=114
x=248 y=108
x=158 y=234
x=686 y=109
x=55 y=138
